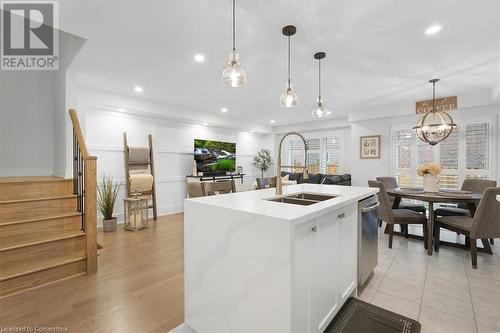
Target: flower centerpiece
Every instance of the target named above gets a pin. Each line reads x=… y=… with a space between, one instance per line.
x=430 y=172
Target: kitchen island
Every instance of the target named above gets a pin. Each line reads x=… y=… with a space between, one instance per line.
x=257 y=262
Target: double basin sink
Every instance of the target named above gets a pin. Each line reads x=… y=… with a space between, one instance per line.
x=303 y=199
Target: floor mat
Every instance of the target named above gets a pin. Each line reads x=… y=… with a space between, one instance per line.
x=357 y=316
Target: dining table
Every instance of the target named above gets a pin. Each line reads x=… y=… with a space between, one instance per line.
x=471 y=199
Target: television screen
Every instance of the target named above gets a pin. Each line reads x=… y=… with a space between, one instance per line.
x=214 y=156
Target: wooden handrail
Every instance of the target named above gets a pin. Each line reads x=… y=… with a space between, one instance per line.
x=79 y=135
x=85 y=182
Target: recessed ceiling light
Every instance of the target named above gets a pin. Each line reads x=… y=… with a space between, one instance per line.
x=224 y=110
x=205 y=124
x=138 y=89
x=199 y=58
x=121 y=109
x=252 y=131
x=272 y=121
x=433 y=29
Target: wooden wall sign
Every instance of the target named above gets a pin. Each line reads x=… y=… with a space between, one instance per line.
x=442 y=104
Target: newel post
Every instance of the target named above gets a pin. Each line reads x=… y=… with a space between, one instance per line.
x=90 y=204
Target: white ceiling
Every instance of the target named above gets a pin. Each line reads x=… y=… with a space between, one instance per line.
x=377 y=52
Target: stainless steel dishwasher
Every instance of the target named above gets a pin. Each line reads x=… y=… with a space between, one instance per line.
x=367 y=238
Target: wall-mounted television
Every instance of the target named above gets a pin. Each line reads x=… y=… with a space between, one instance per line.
x=214 y=156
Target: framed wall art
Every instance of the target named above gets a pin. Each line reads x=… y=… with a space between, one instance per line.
x=369 y=147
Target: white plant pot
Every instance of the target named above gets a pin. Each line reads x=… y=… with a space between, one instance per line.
x=431 y=183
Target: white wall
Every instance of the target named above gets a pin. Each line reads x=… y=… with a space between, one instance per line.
x=26 y=123
x=173 y=142
x=363 y=170
x=34 y=117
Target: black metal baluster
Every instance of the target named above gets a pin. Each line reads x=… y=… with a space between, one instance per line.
x=83 y=196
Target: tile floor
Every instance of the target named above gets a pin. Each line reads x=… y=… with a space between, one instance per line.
x=441 y=291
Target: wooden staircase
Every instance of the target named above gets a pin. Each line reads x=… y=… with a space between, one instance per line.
x=48 y=225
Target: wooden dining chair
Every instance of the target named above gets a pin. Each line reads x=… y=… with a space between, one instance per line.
x=222 y=187
x=396 y=216
x=484 y=225
x=195 y=189
x=263 y=183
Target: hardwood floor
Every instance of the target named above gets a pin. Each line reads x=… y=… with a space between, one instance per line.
x=139 y=287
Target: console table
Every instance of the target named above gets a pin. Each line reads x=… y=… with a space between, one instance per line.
x=218 y=178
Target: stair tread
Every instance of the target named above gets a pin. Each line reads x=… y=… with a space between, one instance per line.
x=14 y=242
x=35 y=179
x=20 y=270
x=55 y=197
x=42 y=218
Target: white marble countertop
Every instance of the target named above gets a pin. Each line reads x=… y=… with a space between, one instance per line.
x=254 y=201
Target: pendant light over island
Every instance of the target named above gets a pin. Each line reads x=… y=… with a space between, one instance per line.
x=289 y=98
x=320 y=111
x=233 y=75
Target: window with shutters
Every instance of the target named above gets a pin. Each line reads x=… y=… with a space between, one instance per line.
x=324 y=155
x=466 y=153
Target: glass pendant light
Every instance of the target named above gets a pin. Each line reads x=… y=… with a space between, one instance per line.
x=434 y=126
x=289 y=99
x=233 y=75
x=320 y=111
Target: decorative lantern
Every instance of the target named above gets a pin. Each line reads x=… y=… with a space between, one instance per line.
x=136 y=212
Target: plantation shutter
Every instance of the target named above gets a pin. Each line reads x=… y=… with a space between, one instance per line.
x=402 y=146
x=296 y=156
x=313 y=155
x=477 y=146
x=331 y=162
x=464 y=154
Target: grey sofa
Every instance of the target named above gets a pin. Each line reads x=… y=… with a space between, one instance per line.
x=319 y=178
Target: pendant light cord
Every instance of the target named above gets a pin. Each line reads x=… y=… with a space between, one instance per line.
x=433 y=97
x=289 y=61
x=319 y=78
x=234 y=26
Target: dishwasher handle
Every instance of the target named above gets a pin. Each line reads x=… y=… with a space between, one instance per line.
x=370 y=208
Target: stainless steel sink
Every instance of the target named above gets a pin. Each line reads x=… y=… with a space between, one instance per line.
x=303 y=199
x=293 y=201
x=312 y=196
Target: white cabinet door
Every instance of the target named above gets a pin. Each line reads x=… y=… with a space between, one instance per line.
x=347 y=219
x=326 y=270
x=303 y=269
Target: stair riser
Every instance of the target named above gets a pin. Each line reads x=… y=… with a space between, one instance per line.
x=33 y=190
x=41 y=278
x=40 y=252
x=32 y=209
x=59 y=224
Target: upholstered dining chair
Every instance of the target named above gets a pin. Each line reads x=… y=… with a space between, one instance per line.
x=195 y=189
x=473 y=185
x=391 y=182
x=266 y=182
x=222 y=187
x=485 y=223
x=396 y=216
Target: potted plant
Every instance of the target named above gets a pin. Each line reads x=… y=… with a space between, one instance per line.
x=263 y=160
x=107 y=192
x=430 y=172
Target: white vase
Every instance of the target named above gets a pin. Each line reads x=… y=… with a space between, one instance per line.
x=431 y=183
